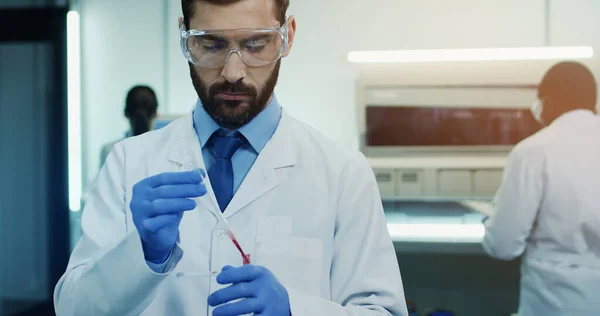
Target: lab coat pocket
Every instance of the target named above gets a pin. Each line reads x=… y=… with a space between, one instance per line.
x=296 y=262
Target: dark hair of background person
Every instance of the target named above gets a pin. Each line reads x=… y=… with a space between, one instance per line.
x=568 y=86
x=140 y=108
x=188 y=9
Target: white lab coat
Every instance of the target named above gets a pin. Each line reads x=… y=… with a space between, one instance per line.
x=105 y=151
x=309 y=210
x=548 y=209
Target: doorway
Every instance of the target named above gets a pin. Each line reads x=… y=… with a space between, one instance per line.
x=34 y=216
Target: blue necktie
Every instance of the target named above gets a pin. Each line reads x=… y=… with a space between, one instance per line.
x=221 y=173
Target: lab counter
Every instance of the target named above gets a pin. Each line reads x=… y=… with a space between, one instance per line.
x=435 y=226
x=443 y=265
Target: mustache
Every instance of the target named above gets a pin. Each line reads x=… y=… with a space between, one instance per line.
x=235 y=88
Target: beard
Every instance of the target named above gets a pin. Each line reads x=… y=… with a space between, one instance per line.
x=233 y=114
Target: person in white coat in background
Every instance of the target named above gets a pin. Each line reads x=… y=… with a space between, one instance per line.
x=548 y=207
x=306 y=210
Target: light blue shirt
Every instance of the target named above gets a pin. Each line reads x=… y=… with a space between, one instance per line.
x=258 y=132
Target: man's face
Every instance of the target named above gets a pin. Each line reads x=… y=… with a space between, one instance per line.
x=235 y=93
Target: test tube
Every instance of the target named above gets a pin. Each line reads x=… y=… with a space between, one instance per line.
x=203 y=176
x=223 y=221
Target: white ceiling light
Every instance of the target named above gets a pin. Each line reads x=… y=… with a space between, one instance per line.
x=74 y=109
x=485 y=54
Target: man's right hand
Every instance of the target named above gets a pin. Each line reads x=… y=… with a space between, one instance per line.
x=157 y=206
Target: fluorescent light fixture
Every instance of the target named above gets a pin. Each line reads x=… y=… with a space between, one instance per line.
x=74 y=109
x=455 y=233
x=485 y=54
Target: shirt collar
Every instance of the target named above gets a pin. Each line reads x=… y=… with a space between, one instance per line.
x=258 y=131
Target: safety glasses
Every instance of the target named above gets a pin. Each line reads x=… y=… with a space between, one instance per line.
x=255 y=47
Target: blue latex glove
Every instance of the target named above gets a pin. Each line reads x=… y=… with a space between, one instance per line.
x=157 y=206
x=260 y=291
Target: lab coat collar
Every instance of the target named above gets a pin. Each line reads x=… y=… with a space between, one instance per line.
x=185 y=151
x=573 y=115
x=278 y=153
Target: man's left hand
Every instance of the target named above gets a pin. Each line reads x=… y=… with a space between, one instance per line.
x=257 y=290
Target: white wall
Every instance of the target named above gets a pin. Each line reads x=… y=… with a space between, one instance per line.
x=181 y=94
x=122 y=45
x=575 y=22
x=128 y=42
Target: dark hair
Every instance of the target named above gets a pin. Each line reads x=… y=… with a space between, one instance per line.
x=188 y=9
x=570 y=85
x=140 y=108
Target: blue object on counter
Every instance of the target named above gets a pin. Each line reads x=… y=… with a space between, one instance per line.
x=158 y=124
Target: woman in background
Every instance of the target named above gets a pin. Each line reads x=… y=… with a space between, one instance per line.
x=141 y=111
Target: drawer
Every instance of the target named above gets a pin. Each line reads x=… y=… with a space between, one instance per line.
x=386 y=181
x=487 y=182
x=455 y=183
x=410 y=183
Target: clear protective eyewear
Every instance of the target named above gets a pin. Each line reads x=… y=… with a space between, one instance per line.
x=255 y=47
